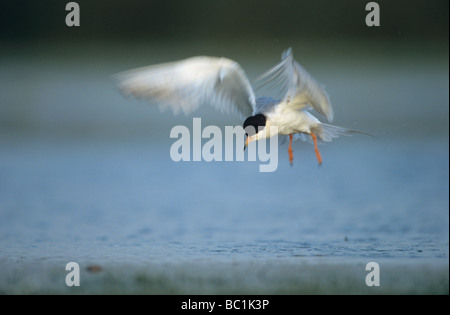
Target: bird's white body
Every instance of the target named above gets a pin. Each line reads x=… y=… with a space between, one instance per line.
x=290 y=121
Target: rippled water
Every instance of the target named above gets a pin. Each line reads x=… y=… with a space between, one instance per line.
x=100 y=202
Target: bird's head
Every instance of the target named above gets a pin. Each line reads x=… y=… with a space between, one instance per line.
x=255 y=128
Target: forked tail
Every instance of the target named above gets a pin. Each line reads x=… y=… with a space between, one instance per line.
x=328 y=132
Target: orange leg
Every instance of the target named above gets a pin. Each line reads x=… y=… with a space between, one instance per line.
x=316 y=149
x=291 y=152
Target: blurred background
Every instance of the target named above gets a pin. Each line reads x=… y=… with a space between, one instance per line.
x=86 y=175
x=330 y=38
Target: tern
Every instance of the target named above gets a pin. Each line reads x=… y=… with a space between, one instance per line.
x=184 y=86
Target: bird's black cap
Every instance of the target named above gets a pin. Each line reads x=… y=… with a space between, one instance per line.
x=256 y=122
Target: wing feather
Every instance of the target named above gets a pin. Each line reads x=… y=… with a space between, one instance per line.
x=185 y=85
x=300 y=89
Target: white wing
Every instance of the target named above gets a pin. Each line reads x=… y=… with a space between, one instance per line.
x=187 y=84
x=302 y=90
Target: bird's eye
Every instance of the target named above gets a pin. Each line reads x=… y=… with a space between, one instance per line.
x=250 y=130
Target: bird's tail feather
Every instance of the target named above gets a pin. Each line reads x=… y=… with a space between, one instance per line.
x=328 y=132
x=324 y=133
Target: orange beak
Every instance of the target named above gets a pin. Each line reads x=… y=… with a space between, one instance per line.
x=246 y=143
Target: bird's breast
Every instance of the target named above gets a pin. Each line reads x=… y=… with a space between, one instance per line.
x=289 y=122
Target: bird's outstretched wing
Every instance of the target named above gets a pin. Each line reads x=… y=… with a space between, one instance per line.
x=300 y=88
x=187 y=84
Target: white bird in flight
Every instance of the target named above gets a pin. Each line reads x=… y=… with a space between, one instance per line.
x=220 y=82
